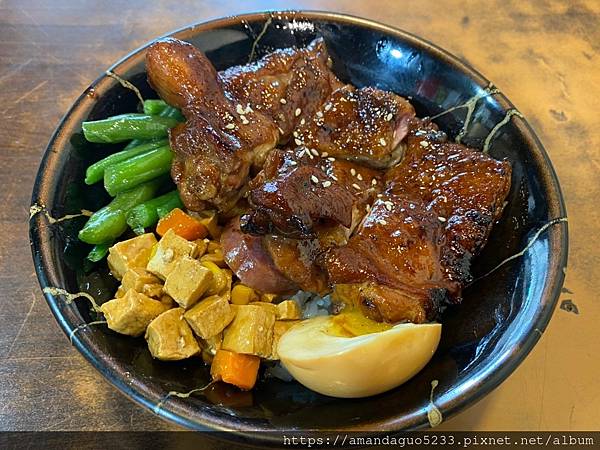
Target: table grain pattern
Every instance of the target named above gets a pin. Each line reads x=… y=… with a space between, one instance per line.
x=544 y=55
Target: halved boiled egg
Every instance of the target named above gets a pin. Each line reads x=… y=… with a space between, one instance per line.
x=357 y=366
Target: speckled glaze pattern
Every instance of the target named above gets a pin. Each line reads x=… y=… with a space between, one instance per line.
x=484 y=339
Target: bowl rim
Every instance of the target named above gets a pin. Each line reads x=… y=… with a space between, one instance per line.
x=39 y=237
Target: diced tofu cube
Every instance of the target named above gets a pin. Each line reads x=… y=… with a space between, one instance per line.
x=268 y=298
x=242 y=295
x=251 y=331
x=219 y=281
x=210 y=316
x=226 y=291
x=169 y=250
x=136 y=278
x=154 y=290
x=210 y=220
x=170 y=338
x=131 y=313
x=268 y=306
x=120 y=292
x=279 y=329
x=210 y=346
x=188 y=281
x=288 y=310
x=131 y=253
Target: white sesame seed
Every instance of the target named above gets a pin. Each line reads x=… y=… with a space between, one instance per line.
x=324 y=154
x=333 y=177
x=352 y=172
x=310 y=155
x=379 y=195
x=442 y=219
x=314 y=152
x=298 y=141
x=319 y=114
x=239 y=109
x=297 y=112
x=282 y=101
x=424 y=144
x=244 y=120
x=248 y=109
x=327 y=106
x=280 y=130
x=326 y=184
x=382 y=222
x=230 y=126
x=331 y=158
x=368 y=207
x=302 y=122
x=389 y=117
x=374 y=182
x=356 y=186
x=382 y=141
x=314 y=179
x=293 y=163
x=359 y=176
x=295 y=134
x=301 y=153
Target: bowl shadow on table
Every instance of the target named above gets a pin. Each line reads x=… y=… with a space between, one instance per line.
x=485 y=325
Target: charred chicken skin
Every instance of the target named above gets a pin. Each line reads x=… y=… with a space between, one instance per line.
x=234 y=118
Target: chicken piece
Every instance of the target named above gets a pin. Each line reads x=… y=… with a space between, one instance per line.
x=170 y=338
x=286 y=85
x=297 y=192
x=364 y=125
x=232 y=123
x=169 y=250
x=465 y=188
x=129 y=254
x=252 y=264
x=188 y=281
x=251 y=331
x=395 y=250
x=296 y=259
x=131 y=313
x=210 y=316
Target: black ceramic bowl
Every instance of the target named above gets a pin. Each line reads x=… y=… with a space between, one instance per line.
x=484 y=339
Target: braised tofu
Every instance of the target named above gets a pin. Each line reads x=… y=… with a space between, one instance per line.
x=170 y=338
x=288 y=310
x=131 y=313
x=210 y=346
x=210 y=316
x=242 y=295
x=188 y=281
x=220 y=279
x=279 y=329
x=120 y=292
x=251 y=331
x=268 y=306
x=140 y=280
x=169 y=250
x=131 y=253
x=210 y=220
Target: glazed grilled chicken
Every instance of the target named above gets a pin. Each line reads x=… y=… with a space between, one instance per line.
x=365 y=125
x=298 y=191
x=234 y=118
x=465 y=188
x=391 y=266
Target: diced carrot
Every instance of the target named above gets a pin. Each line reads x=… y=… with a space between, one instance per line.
x=182 y=224
x=235 y=368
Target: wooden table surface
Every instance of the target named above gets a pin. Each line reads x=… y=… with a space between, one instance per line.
x=544 y=55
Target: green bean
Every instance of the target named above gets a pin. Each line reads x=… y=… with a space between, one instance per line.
x=168 y=112
x=154 y=106
x=146 y=214
x=95 y=172
x=139 y=169
x=127 y=126
x=98 y=252
x=109 y=222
